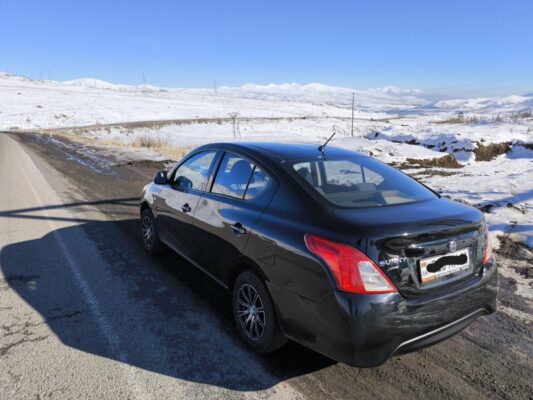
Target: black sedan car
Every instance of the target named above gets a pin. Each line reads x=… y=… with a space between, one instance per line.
x=325 y=246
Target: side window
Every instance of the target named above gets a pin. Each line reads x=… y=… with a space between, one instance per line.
x=193 y=173
x=259 y=184
x=304 y=170
x=233 y=176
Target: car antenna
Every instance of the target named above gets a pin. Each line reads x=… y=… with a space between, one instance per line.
x=323 y=146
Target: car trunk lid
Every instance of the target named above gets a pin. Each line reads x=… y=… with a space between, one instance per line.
x=436 y=234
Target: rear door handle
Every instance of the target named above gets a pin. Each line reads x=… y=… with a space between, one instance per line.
x=186 y=208
x=238 y=229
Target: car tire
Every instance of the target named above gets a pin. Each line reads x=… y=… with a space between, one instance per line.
x=151 y=241
x=255 y=315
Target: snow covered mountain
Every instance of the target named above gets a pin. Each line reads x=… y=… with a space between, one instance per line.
x=387 y=98
x=40 y=104
x=487 y=104
x=317 y=93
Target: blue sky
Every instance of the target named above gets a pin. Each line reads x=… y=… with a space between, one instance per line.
x=455 y=47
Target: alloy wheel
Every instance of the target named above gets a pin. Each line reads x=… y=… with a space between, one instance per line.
x=148 y=231
x=250 y=312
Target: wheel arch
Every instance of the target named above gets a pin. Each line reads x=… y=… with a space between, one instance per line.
x=246 y=264
x=144 y=205
x=241 y=265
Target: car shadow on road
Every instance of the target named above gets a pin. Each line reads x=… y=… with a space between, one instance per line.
x=168 y=317
x=78 y=206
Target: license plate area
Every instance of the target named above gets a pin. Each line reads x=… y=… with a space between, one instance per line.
x=436 y=268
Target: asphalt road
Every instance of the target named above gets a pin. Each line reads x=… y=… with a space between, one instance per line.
x=85 y=313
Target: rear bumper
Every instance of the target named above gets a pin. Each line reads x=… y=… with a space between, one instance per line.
x=441 y=333
x=366 y=330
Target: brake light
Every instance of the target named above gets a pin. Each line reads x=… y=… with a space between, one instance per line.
x=354 y=272
x=488 y=248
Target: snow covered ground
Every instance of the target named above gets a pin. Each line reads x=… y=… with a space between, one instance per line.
x=394 y=125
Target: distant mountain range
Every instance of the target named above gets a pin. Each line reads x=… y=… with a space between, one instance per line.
x=388 y=98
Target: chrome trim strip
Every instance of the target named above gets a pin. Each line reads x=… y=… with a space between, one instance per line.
x=479 y=311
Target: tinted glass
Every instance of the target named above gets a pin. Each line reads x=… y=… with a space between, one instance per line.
x=233 y=176
x=360 y=182
x=194 y=172
x=343 y=172
x=260 y=183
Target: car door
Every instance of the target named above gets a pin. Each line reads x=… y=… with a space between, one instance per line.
x=227 y=213
x=177 y=201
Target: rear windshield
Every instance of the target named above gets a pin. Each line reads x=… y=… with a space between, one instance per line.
x=360 y=182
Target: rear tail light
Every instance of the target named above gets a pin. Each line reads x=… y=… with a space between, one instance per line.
x=354 y=272
x=488 y=248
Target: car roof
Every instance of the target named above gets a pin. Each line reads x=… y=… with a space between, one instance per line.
x=287 y=151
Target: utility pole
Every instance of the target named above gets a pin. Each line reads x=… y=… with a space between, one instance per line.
x=233 y=117
x=215 y=87
x=353 y=106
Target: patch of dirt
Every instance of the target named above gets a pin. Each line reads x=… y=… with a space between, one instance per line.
x=156 y=165
x=514 y=250
x=515 y=263
x=433 y=172
x=487 y=207
x=490 y=151
x=461 y=149
x=447 y=161
x=411 y=142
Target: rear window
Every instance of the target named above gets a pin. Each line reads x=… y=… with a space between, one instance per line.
x=360 y=182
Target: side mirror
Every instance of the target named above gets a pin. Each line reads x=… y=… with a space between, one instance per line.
x=183 y=182
x=160 y=178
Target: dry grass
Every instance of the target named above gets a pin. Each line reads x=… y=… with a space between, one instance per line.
x=149 y=142
x=471 y=120
x=476 y=119
x=447 y=161
x=161 y=145
x=521 y=115
x=490 y=151
x=454 y=120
